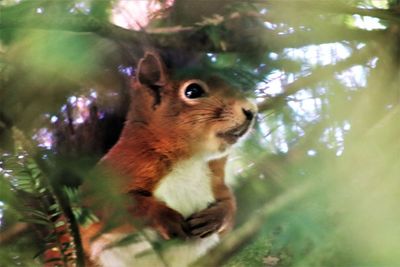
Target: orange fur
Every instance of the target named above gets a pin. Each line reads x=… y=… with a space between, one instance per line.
x=164 y=128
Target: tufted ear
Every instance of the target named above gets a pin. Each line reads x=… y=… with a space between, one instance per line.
x=151 y=70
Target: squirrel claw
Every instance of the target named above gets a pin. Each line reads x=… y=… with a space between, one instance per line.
x=206 y=222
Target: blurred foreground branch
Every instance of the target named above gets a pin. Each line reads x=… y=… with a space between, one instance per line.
x=53 y=211
x=243 y=235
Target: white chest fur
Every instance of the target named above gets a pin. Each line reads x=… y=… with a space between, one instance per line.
x=187 y=189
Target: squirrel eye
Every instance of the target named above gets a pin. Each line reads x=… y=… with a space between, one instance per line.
x=194 y=90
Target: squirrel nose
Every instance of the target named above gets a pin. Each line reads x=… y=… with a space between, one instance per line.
x=248 y=113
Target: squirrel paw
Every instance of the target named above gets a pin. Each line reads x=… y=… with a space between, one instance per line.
x=171 y=224
x=207 y=221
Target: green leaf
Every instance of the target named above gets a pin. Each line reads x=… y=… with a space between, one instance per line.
x=36 y=221
x=38 y=214
x=59 y=223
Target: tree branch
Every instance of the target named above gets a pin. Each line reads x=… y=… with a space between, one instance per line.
x=244 y=33
x=240 y=237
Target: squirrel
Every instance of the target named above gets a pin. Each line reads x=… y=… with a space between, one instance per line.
x=170 y=159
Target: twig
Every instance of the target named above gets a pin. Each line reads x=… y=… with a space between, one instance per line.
x=9 y=235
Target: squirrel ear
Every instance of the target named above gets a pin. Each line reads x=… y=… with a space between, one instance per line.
x=151 y=70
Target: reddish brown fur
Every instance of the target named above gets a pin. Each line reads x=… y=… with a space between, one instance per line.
x=158 y=135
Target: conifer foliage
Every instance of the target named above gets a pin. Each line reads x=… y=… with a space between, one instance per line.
x=317 y=181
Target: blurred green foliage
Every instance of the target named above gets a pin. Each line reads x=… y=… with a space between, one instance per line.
x=326 y=77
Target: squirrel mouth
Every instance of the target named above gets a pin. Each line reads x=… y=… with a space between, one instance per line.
x=232 y=136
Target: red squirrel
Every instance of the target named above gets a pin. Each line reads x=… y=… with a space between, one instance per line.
x=171 y=159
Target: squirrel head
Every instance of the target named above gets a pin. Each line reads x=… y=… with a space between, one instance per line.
x=202 y=114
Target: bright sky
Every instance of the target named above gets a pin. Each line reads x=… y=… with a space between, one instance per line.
x=135 y=14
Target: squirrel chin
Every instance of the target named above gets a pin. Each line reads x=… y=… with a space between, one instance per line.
x=218 y=147
x=217 y=155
